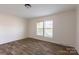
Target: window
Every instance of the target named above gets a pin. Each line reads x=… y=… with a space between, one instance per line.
x=40 y=28
x=45 y=28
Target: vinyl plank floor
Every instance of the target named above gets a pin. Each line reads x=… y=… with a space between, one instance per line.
x=30 y=46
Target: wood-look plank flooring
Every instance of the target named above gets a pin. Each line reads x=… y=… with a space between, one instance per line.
x=31 y=46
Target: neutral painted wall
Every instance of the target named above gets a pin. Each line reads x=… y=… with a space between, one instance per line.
x=64 y=28
x=12 y=28
x=77 y=31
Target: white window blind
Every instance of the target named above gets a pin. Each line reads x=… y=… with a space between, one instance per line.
x=45 y=28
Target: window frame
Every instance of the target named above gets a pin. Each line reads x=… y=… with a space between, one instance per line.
x=43 y=35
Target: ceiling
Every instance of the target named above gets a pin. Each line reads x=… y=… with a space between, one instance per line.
x=36 y=10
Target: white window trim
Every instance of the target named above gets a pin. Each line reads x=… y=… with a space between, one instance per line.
x=45 y=28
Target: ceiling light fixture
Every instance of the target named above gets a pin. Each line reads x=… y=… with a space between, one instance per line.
x=28 y=5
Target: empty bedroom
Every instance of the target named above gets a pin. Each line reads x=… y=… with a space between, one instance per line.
x=39 y=29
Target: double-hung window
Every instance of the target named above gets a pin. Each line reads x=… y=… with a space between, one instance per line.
x=45 y=28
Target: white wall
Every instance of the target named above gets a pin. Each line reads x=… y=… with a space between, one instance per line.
x=77 y=31
x=12 y=28
x=64 y=28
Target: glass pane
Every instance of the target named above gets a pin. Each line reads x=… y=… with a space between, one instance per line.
x=48 y=24
x=40 y=31
x=48 y=32
x=40 y=25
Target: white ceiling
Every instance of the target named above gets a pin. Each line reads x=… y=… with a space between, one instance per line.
x=36 y=10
